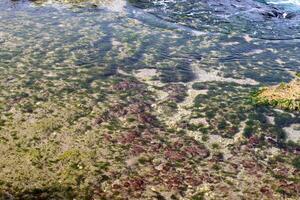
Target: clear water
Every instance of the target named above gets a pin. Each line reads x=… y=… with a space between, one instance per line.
x=60 y=64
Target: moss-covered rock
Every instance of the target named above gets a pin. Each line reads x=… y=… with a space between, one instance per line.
x=283 y=96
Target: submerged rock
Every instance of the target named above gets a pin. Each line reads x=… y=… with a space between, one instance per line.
x=278 y=14
x=283 y=96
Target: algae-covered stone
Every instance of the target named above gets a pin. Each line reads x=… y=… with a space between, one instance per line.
x=284 y=95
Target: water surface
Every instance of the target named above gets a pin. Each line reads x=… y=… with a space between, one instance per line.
x=97 y=96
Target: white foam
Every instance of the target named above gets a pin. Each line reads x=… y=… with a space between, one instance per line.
x=293 y=2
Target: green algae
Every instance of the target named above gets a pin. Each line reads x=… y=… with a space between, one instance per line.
x=284 y=96
x=199 y=196
x=296 y=162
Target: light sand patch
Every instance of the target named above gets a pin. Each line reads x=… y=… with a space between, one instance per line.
x=146 y=74
x=199 y=121
x=161 y=95
x=247 y=38
x=271 y=120
x=214 y=75
x=279 y=61
x=214 y=139
x=132 y=161
x=120 y=71
x=239 y=136
x=114 y=42
x=50 y=74
x=223 y=143
x=122 y=48
x=230 y=44
x=116 y=5
x=270 y=152
x=183 y=111
x=293 y=132
x=112 y=5
x=192 y=94
x=254 y=52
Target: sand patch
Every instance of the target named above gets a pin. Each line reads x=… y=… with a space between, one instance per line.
x=183 y=111
x=248 y=38
x=112 y=5
x=293 y=132
x=146 y=74
x=215 y=75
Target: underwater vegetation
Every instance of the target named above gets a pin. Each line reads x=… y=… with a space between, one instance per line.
x=152 y=100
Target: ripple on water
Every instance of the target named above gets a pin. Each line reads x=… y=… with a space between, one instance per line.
x=84 y=90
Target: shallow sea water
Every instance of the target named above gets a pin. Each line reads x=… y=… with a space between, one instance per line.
x=59 y=62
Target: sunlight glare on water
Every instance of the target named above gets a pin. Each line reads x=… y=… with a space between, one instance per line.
x=289 y=4
x=295 y=2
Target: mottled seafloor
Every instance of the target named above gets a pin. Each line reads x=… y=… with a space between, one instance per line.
x=146 y=100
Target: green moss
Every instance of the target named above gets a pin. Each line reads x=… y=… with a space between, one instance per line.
x=143 y=160
x=46 y=125
x=248 y=131
x=27 y=107
x=54 y=191
x=296 y=162
x=113 y=125
x=205 y=138
x=293 y=144
x=172 y=104
x=198 y=196
x=250 y=123
x=102 y=165
x=279 y=133
x=222 y=124
x=130 y=119
x=283 y=119
x=73 y=153
x=279 y=158
x=194 y=127
x=210 y=114
x=198 y=100
x=2 y=123
x=216 y=167
x=215 y=146
x=199 y=86
x=286 y=104
x=281 y=191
